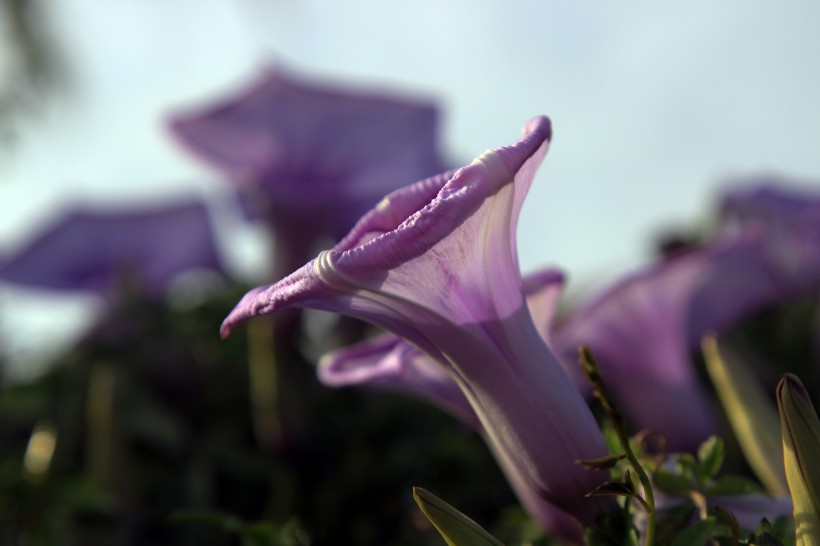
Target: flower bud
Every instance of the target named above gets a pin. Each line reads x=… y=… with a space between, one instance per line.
x=801 y=450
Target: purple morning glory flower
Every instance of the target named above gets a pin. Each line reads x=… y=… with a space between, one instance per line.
x=643 y=329
x=312 y=158
x=96 y=251
x=767 y=202
x=790 y=219
x=436 y=264
x=389 y=362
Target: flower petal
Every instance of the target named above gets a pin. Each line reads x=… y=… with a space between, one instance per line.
x=790 y=219
x=389 y=362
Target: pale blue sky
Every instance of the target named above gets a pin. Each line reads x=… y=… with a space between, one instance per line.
x=654 y=107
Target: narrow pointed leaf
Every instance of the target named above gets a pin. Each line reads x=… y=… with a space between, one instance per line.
x=751 y=415
x=601 y=463
x=617 y=488
x=455 y=528
x=711 y=455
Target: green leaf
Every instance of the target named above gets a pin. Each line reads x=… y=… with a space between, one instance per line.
x=696 y=535
x=751 y=413
x=689 y=467
x=673 y=522
x=206 y=518
x=455 y=528
x=710 y=455
x=601 y=463
x=610 y=529
x=734 y=485
x=613 y=442
x=671 y=483
x=261 y=533
x=765 y=539
x=619 y=488
x=728 y=519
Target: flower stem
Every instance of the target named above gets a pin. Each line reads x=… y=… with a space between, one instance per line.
x=590 y=369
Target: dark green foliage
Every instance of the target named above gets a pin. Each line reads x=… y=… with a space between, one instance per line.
x=172 y=436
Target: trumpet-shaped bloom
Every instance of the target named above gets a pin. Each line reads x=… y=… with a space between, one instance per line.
x=312 y=158
x=436 y=264
x=643 y=329
x=389 y=362
x=751 y=413
x=95 y=251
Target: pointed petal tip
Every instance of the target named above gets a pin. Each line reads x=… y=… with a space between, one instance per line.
x=225 y=331
x=793 y=383
x=542 y=278
x=539 y=125
x=536 y=135
x=248 y=307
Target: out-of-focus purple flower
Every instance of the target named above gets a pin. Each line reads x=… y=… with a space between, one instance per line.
x=97 y=251
x=436 y=264
x=790 y=219
x=766 y=202
x=751 y=508
x=643 y=329
x=313 y=158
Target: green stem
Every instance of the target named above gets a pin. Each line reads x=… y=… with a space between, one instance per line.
x=264 y=384
x=648 y=501
x=590 y=369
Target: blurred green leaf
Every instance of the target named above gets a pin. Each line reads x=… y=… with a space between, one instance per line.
x=696 y=535
x=765 y=535
x=456 y=528
x=710 y=455
x=614 y=488
x=602 y=463
x=671 y=483
x=734 y=485
x=689 y=466
x=673 y=522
